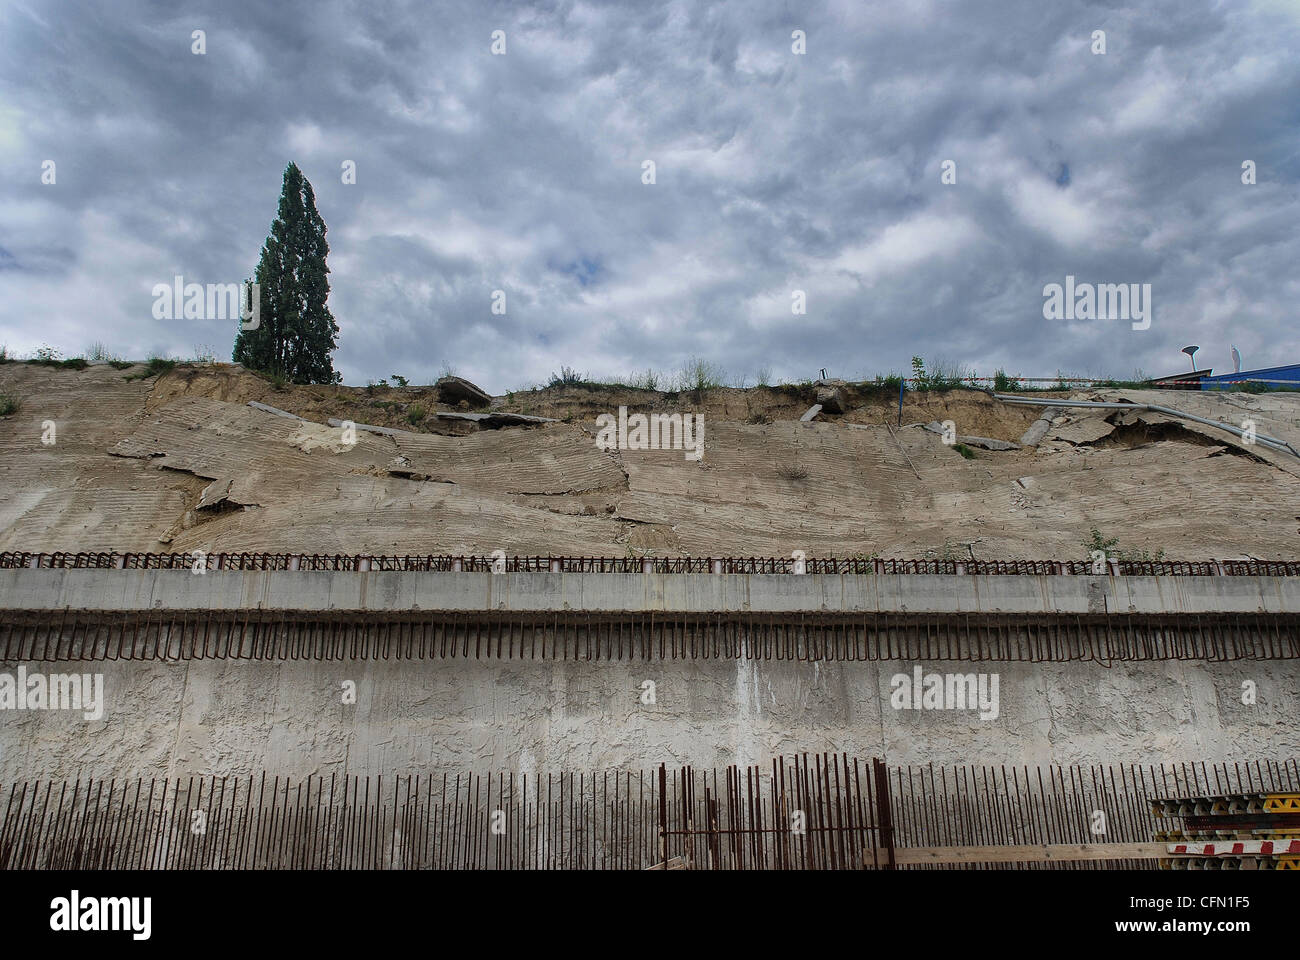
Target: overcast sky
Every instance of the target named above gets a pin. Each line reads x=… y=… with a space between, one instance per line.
x=774 y=172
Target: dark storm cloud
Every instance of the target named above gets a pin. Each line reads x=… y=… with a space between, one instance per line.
x=775 y=172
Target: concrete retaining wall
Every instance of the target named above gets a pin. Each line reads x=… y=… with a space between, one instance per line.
x=289 y=718
x=693 y=593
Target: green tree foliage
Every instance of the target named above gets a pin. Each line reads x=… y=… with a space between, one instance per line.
x=297 y=332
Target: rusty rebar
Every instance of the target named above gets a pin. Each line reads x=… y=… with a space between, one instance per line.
x=276 y=635
x=445 y=563
x=682 y=817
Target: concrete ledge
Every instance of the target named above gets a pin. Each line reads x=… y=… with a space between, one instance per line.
x=379 y=591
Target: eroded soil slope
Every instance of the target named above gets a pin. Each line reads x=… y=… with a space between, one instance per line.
x=181 y=462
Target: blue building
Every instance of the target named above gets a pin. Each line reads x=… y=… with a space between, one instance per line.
x=1273 y=378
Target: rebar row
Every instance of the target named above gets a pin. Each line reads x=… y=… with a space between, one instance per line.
x=827 y=812
x=438 y=563
x=66 y=635
x=462 y=821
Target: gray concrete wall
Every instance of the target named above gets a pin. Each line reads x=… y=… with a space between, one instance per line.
x=234 y=717
x=697 y=593
x=238 y=717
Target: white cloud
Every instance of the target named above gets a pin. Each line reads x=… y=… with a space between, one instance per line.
x=904 y=245
x=776 y=172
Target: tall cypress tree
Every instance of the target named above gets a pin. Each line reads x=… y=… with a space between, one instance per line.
x=297 y=332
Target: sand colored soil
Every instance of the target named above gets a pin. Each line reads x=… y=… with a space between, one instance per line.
x=180 y=462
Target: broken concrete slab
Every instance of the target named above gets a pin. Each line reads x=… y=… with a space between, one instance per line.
x=830 y=395
x=317 y=436
x=988 y=443
x=1082 y=430
x=811 y=413
x=1038 y=429
x=454 y=390
x=496 y=419
x=267 y=408
x=370 y=428
x=985 y=443
x=214 y=494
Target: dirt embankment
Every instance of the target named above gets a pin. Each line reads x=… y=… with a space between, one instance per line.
x=975 y=411
x=412 y=407
x=180 y=461
x=403 y=408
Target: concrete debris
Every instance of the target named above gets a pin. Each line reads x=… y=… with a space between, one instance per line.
x=317 y=436
x=986 y=443
x=1038 y=429
x=369 y=428
x=811 y=413
x=1145 y=408
x=267 y=408
x=1082 y=430
x=493 y=421
x=452 y=390
x=214 y=494
x=830 y=395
